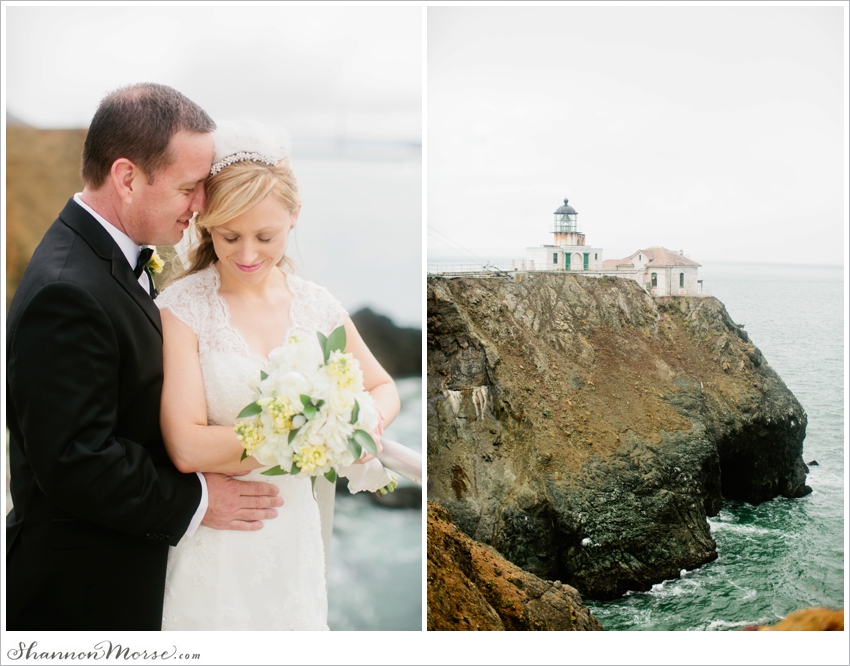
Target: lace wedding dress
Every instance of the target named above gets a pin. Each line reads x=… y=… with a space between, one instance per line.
x=274 y=578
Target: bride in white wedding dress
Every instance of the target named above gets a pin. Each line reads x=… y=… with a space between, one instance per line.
x=234 y=305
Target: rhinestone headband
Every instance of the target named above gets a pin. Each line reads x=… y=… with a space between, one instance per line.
x=241 y=157
x=248 y=140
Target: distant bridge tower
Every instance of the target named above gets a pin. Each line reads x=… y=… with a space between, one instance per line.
x=565 y=227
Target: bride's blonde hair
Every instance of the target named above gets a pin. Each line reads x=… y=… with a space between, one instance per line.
x=234 y=190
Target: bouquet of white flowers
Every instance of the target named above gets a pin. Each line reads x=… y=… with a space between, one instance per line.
x=312 y=415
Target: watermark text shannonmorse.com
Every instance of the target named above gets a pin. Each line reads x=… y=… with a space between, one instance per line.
x=100 y=651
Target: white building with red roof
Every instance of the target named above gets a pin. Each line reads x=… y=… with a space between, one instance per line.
x=663 y=272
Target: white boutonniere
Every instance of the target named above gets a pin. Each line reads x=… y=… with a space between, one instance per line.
x=155 y=263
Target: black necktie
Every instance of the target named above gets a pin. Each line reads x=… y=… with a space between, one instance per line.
x=142 y=266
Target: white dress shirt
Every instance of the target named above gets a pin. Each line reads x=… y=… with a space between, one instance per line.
x=132 y=251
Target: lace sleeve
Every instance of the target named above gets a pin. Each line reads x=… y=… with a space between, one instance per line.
x=336 y=313
x=189 y=300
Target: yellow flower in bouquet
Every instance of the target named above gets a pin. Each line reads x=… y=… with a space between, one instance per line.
x=312 y=414
x=250 y=433
x=281 y=412
x=311 y=458
x=344 y=370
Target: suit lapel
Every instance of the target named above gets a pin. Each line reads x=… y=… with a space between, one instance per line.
x=122 y=272
x=91 y=231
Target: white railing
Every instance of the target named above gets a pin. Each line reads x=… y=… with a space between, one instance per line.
x=472 y=268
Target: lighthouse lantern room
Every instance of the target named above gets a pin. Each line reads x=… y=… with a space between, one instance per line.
x=565 y=227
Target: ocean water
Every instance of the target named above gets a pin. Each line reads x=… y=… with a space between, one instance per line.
x=784 y=554
x=375 y=577
x=360 y=236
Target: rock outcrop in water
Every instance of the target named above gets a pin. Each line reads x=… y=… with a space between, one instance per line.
x=472 y=588
x=586 y=430
x=398 y=349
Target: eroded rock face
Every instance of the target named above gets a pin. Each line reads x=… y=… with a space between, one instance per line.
x=586 y=430
x=473 y=588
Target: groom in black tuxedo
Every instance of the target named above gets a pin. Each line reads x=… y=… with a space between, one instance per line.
x=96 y=500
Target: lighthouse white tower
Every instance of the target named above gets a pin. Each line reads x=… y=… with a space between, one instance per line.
x=569 y=251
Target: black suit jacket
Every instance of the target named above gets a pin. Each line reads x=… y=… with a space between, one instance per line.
x=96 y=500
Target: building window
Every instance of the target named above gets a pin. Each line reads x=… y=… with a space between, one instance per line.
x=586 y=259
x=567 y=260
x=655 y=279
x=640 y=258
x=682 y=280
x=595 y=257
x=554 y=257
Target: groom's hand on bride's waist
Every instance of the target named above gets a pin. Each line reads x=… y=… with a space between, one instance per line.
x=239 y=505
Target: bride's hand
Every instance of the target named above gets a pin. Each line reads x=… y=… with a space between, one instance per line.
x=376 y=435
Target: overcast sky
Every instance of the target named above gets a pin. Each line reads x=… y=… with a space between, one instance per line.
x=324 y=72
x=718 y=130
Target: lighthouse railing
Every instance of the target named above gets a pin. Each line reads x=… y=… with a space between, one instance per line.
x=498 y=267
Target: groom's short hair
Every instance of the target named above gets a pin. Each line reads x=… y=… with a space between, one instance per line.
x=136 y=122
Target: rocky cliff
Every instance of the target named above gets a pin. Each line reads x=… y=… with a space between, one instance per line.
x=472 y=588
x=42 y=173
x=586 y=430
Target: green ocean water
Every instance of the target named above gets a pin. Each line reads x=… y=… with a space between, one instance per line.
x=784 y=554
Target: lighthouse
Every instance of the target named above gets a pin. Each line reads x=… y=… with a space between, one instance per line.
x=565 y=227
x=569 y=250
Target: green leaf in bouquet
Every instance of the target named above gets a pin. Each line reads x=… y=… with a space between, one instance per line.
x=319 y=404
x=292 y=434
x=274 y=471
x=263 y=375
x=251 y=410
x=336 y=340
x=244 y=455
x=310 y=412
x=356 y=449
x=323 y=343
x=295 y=468
x=355 y=412
x=331 y=476
x=306 y=400
x=365 y=440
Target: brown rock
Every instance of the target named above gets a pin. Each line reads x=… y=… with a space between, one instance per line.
x=473 y=588
x=586 y=430
x=810 y=619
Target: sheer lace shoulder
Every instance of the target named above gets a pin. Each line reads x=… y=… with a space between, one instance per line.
x=313 y=308
x=194 y=300
x=189 y=298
